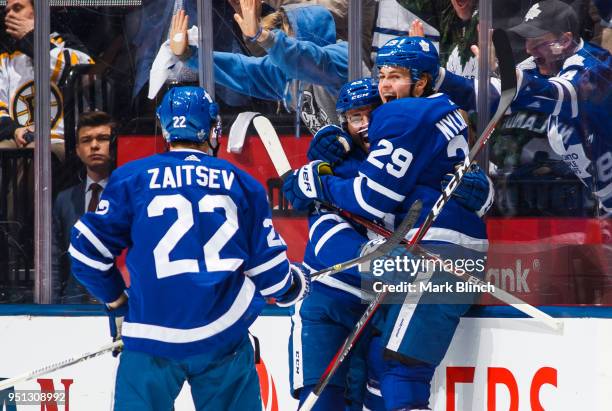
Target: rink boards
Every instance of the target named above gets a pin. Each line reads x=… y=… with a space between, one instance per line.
x=495 y=362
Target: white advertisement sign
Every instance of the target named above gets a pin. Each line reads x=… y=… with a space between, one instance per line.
x=493 y=364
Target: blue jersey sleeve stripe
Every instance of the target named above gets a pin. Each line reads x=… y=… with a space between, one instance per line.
x=379 y=188
x=361 y=201
x=329 y=234
x=279 y=259
x=276 y=287
x=95 y=241
x=88 y=261
x=572 y=92
x=321 y=219
x=179 y=335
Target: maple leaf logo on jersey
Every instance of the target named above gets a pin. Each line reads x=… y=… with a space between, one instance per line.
x=424 y=45
x=192 y=157
x=533 y=12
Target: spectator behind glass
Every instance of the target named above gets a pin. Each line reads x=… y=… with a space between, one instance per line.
x=95 y=132
x=451 y=25
x=305 y=68
x=17 y=78
x=604 y=10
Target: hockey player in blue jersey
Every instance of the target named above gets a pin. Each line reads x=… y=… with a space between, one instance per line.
x=414 y=142
x=202 y=256
x=321 y=323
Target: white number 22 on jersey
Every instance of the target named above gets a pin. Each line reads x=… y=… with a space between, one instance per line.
x=184 y=211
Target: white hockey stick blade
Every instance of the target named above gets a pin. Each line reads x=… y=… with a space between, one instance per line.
x=238 y=130
x=11 y=382
x=272 y=143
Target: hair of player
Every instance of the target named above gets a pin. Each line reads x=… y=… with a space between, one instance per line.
x=95 y=119
x=429 y=87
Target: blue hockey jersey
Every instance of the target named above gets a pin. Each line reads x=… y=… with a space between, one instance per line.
x=333 y=239
x=414 y=143
x=202 y=251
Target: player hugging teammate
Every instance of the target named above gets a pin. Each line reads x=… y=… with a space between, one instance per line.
x=383 y=159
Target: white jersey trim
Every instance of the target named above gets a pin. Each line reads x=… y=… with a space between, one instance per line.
x=489 y=202
x=280 y=258
x=278 y=286
x=440 y=80
x=179 y=335
x=379 y=188
x=324 y=217
x=362 y=203
x=95 y=241
x=330 y=233
x=572 y=91
x=560 y=97
x=88 y=261
x=373 y=391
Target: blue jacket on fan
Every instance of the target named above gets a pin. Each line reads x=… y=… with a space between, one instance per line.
x=311 y=55
x=185 y=297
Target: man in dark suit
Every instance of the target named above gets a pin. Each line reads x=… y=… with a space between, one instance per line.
x=93 y=147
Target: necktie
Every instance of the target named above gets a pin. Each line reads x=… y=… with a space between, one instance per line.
x=96 y=189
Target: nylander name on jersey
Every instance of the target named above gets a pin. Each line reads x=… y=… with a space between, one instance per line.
x=202 y=252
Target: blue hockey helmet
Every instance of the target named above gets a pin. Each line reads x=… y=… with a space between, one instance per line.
x=187 y=113
x=417 y=54
x=356 y=94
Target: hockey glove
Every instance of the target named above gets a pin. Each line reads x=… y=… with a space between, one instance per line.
x=300 y=286
x=331 y=144
x=303 y=186
x=115 y=321
x=475 y=192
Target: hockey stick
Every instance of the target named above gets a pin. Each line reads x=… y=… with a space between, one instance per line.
x=499 y=293
x=8 y=383
x=272 y=143
x=393 y=240
x=508 y=87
